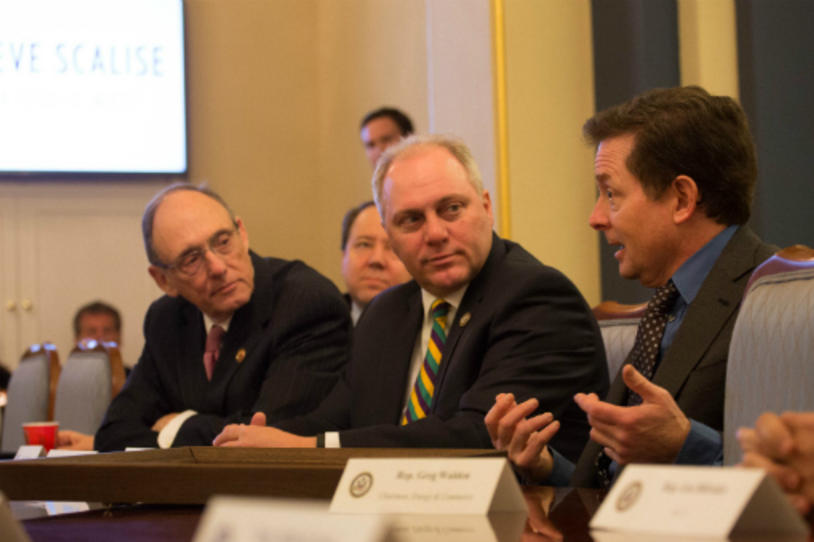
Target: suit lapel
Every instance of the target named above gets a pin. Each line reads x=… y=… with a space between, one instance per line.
x=716 y=302
x=238 y=343
x=468 y=310
x=245 y=328
x=190 y=348
x=392 y=373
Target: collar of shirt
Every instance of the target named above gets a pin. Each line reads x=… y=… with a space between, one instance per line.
x=423 y=338
x=208 y=323
x=355 y=312
x=692 y=273
x=688 y=280
x=454 y=299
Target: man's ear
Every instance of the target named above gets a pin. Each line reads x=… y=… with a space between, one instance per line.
x=160 y=277
x=687 y=198
x=241 y=230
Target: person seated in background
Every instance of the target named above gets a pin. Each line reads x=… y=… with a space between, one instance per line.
x=784 y=446
x=234 y=334
x=675 y=171
x=369 y=265
x=382 y=128
x=98 y=321
x=481 y=315
x=5 y=376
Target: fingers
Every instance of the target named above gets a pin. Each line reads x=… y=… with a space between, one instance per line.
x=801 y=503
x=524 y=430
x=799 y=419
x=747 y=438
x=611 y=453
x=505 y=422
x=534 y=456
x=259 y=418
x=586 y=401
x=230 y=433
x=636 y=382
x=602 y=435
x=801 y=428
x=788 y=479
x=503 y=403
x=773 y=437
x=600 y=412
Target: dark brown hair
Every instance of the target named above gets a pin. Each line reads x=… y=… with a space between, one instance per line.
x=686 y=131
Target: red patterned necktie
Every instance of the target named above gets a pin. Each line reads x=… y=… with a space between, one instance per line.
x=212 y=349
x=420 y=400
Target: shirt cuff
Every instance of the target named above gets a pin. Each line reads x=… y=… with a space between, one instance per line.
x=167 y=435
x=332 y=439
x=561 y=471
x=704 y=446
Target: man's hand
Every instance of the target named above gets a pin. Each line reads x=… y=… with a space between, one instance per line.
x=258 y=435
x=538 y=525
x=74 y=440
x=784 y=447
x=524 y=439
x=162 y=422
x=652 y=432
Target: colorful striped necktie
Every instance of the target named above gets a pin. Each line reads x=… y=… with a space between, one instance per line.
x=421 y=397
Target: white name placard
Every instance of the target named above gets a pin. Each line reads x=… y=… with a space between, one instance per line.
x=70 y=453
x=494 y=527
x=711 y=502
x=242 y=519
x=30 y=451
x=428 y=486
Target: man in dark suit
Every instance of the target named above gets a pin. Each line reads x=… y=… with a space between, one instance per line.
x=675 y=170
x=369 y=265
x=509 y=322
x=235 y=334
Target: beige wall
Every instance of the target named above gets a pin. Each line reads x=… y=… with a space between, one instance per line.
x=252 y=122
x=276 y=92
x=708 y=52
x=370 y=53
x=549 y=69
x=277 y=88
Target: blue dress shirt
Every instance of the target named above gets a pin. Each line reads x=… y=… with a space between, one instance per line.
x=704 y=445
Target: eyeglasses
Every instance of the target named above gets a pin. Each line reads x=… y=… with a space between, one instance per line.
x=223 y=243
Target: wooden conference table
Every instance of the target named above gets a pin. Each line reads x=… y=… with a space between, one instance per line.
x=161 y=493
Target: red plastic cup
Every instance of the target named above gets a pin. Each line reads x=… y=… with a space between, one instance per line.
x=44 y=433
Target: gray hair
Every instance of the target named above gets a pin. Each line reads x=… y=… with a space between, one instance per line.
x=149 y=213
x=453 y=145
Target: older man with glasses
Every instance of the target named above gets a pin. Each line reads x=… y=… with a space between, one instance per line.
x=234 y=334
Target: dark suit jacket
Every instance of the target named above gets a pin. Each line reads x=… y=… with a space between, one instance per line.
x=285 y=349
x=693 y=370
x=529 y=332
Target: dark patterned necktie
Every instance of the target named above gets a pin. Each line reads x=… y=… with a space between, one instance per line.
x=643 y=356
x=649 y=335
x=418 y=406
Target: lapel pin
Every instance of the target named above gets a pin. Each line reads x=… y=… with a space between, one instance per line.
x=241 y=355
x=465 y=319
